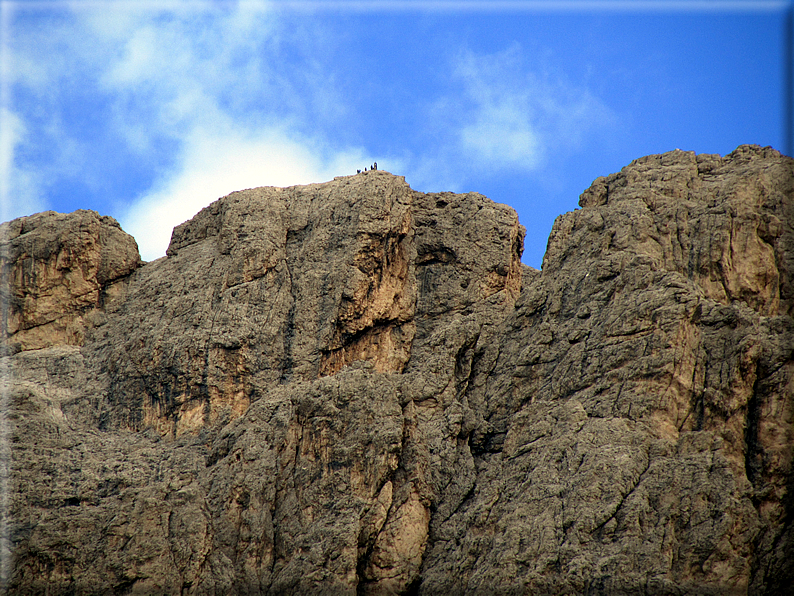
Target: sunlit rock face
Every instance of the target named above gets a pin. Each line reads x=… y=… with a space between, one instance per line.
x=59 y=273
x=357 y=388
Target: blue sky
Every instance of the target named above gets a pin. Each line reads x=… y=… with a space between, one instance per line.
x=150 y=110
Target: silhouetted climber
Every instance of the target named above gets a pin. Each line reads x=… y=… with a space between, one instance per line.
x=375 y=166
x=358 y=171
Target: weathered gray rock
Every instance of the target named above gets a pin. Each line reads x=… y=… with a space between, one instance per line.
x=639 y=398
x=356 y=388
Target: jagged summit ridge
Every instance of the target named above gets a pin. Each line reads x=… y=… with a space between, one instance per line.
x=354 y=387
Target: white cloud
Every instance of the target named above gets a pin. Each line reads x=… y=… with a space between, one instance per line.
x=19 y=194
x=212 y=97
x=504 y=112
x=502 y=135
x=217 y=162
x=511 y=116
x=212 y=81
x=137 y=63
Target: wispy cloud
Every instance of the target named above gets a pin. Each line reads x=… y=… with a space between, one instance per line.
x=19 y=193
x=508 y=112
x=203 y=94
x=518 y=114
x=217 y=86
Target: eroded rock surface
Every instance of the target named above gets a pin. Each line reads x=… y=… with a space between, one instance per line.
x=357 y=388
x=60 y=272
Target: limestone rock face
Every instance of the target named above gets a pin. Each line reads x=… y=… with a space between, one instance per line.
x=639 y=398
x=58 y=272
x=357 y=388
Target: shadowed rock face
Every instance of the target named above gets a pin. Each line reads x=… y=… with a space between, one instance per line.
x=356 y=388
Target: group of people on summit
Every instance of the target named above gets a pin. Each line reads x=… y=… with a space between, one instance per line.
x=374 y=167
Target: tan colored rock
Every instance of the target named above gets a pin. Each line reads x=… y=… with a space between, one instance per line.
x=644 y=365
x=271 y=285
x=724 y=227
x=356 y=388
x=398 y=550
x=62 y=271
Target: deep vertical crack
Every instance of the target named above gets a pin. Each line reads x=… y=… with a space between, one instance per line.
x=289 y=326
x=752 y=450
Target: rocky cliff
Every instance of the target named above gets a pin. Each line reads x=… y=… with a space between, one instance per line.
x=357 y=388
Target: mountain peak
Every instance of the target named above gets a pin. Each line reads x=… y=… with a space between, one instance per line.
x=356 y=387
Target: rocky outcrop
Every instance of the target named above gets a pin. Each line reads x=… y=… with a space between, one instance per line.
x=357 y=388
x=59 y=272
x=639 y=398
